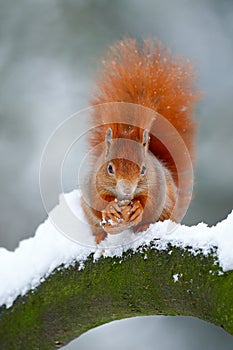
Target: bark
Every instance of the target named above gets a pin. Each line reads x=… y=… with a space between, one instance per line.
x=71 y=301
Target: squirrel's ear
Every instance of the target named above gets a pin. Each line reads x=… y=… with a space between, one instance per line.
x=108 y=140
x=145 y=139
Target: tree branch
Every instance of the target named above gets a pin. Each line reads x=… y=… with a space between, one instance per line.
x=148 y=282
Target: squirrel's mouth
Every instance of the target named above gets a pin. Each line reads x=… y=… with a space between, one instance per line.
x=125 y=198
x=125 y=189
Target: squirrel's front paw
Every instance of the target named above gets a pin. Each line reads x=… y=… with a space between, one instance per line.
x=118 y=216
x=133 y=213
x=112 y=218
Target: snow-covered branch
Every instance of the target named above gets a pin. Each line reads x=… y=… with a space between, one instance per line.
x=53 y=289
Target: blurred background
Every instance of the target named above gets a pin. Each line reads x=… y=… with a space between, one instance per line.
x=49 y=53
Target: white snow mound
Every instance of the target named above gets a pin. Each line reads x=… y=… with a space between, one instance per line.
x=36 y=257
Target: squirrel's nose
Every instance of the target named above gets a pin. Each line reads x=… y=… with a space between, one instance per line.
x=125 y=189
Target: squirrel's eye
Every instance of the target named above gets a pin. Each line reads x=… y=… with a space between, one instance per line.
x=143 y=170
x=110 y=169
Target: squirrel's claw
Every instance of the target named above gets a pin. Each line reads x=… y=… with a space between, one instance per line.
x=136 y=211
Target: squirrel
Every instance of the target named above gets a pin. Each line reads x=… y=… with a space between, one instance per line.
x=134 y=178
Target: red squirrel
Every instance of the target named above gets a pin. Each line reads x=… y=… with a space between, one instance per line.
x=134 y=178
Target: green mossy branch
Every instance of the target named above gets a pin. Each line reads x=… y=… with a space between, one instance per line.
x=70 y=301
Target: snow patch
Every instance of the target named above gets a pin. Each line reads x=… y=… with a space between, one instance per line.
x=176 y=277
x=37 y=257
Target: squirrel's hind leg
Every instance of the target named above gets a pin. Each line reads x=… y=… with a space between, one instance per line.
x=140 y=228
x=100 y=237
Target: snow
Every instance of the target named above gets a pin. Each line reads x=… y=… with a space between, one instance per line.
x=176 y=277
x=37 y=257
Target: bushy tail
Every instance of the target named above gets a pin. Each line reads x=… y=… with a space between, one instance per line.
x=149 y=75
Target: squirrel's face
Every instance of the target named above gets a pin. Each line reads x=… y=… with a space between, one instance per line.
x=122 y=179
x=124 y=173
x=125 y=177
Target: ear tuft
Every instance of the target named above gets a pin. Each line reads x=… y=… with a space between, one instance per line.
x=108 y=140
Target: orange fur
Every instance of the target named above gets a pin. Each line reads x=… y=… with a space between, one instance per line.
x=148 y=75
